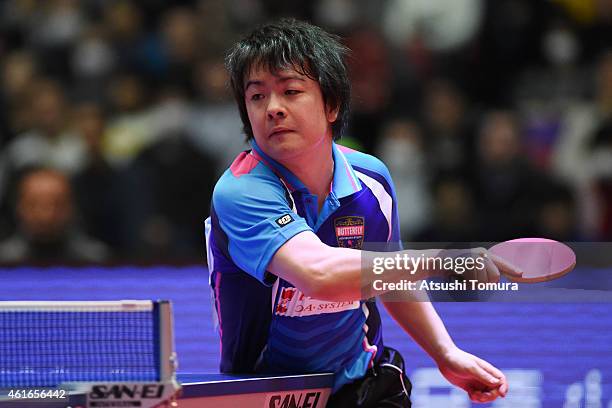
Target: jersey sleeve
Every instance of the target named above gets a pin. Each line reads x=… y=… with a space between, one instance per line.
x=254 y=214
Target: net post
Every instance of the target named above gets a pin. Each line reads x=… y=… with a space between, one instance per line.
x=167 y=356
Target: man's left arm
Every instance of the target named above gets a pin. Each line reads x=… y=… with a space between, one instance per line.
x=417 y=316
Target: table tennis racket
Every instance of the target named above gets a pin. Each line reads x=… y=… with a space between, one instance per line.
x=540 y=259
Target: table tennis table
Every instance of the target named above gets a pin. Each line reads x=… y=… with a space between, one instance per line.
x=216 y=391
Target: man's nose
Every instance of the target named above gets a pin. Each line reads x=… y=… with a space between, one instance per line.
x=275 y=108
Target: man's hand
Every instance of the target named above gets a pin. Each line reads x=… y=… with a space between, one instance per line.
x=482 y=381
x=494 y=265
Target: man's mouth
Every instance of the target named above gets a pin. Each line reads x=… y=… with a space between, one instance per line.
x=278 y=131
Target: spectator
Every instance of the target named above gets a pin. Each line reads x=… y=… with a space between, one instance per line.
x=49 y=142
x=165 y=216
x=507 y=187
x=454 y=217
x=129 y=129
x=443 y=25
x=556 y=214
x=583 y=155
x=54 y=27
x=180 y=44
x=92 y=62
x=131 y=46
x=371 y=100
x=46 y=231
x=214 y=117
x=18 y=72
x=98 y=186
x=401 y=149
x=449 y=141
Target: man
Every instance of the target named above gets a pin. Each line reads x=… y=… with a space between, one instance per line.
x=288 y=219
x=46 y=231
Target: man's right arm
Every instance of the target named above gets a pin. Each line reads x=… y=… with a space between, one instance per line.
x=344 y=274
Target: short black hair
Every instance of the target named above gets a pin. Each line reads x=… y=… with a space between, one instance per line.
x=289 y=43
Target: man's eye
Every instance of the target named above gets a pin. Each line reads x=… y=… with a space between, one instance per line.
x=291 y=92
x=256 y=97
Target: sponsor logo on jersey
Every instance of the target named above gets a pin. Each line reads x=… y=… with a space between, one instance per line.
x=293 y=303
x=284 y=220
x=349 y=231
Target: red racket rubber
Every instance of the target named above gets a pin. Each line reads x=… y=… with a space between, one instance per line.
x=540 y=259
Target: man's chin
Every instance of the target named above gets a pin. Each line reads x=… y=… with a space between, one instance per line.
x=285 y=150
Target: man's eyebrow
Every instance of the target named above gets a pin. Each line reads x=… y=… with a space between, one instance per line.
x=280 y=78
x=249 y=83
x=285 y=78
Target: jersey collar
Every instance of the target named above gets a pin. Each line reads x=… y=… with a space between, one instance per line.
x=344 y=182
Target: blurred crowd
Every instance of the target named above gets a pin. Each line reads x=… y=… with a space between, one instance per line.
x=494 y=118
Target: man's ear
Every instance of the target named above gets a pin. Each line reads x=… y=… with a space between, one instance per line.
x=332 y=113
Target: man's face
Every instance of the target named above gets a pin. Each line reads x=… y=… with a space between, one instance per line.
x=287 y=113
x=44 y=205
x=49 y=110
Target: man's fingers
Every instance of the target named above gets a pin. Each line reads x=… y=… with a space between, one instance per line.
x=491 y=271
x=483 y=274
x=503 y=389
x=505 y=267
x=483 y=396
x=485 y=377
x=487 y=383
x=475 y=396
x=488 y=396
x=494 y=371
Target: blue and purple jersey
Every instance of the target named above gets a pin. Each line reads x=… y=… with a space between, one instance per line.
x=266 y=324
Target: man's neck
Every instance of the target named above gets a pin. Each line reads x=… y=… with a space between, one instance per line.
x=316 y=170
